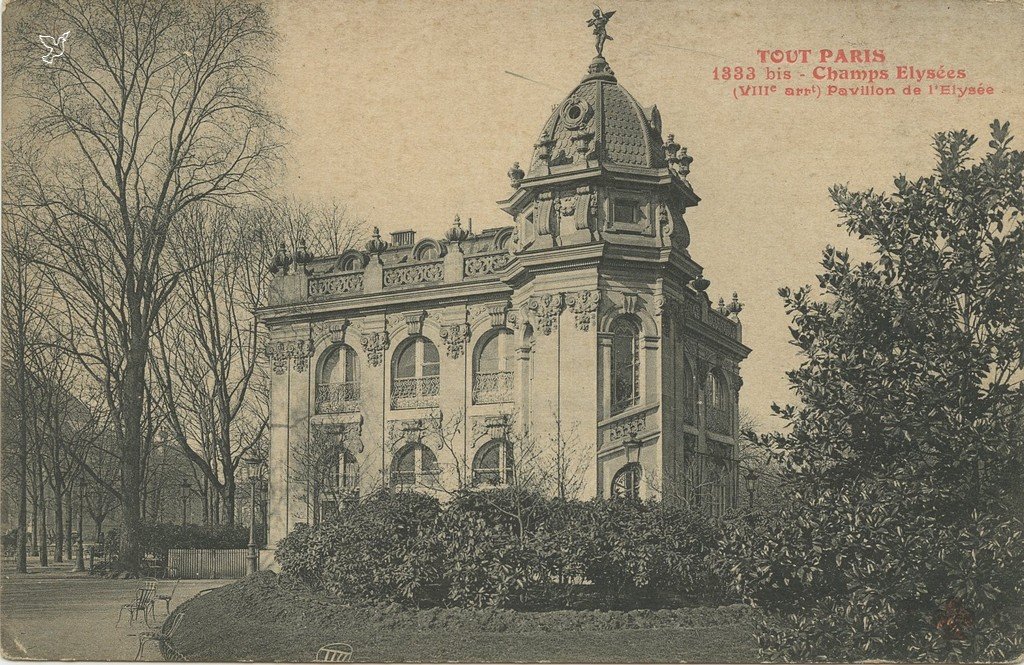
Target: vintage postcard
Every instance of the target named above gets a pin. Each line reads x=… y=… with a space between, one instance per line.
x=379 y=331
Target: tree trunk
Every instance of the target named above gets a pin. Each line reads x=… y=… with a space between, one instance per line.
x=132 y=398
x=35 y=527
x=229 y=497
x=69 y=523
x=58 y=515
x=43 y=554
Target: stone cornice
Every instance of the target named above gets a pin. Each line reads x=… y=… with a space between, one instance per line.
x=440 y=295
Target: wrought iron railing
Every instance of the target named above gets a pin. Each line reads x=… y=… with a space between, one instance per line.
x=415 y=392
x=719 y=421
x=492 y=387
x=337 y=397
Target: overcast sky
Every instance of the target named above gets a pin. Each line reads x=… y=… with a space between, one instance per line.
x=404 y=112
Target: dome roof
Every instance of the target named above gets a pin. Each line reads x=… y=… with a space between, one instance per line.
x=601 y=121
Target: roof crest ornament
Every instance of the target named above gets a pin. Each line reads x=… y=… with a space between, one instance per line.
x=599 y=23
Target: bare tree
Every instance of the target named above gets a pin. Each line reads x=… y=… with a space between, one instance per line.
x=22 y=291
x=153 y=109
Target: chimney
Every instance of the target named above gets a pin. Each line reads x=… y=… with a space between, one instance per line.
x=403 y=239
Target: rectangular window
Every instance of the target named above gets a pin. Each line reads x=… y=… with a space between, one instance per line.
x=625 y=212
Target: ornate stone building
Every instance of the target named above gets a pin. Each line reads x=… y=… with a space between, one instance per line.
x=579 y=339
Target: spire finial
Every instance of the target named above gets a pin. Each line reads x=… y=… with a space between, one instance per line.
x=600 y=25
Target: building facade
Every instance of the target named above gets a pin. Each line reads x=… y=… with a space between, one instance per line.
x=575 y=348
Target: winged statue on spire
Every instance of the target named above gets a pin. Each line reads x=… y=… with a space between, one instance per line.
x=599 y=23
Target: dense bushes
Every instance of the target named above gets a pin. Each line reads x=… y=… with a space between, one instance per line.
x=505 y=548
x=157 y=538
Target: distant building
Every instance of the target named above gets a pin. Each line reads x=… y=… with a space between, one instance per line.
x=584 y=328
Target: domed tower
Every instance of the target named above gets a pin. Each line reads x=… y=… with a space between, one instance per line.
x=618 y=340
x=601 y=171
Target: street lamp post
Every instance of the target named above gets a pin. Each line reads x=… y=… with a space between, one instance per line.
x=751 y=479
x=184 y=502
x=253 y=463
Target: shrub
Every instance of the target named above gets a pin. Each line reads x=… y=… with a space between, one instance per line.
x=506 y=547
x=380 y=549
x=157 y=538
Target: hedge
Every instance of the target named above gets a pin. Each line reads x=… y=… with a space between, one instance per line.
x=509 y=548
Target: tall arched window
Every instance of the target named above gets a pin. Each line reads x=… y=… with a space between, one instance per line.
x=492 y=465
x=415 y=380
x=718 y=488
x=626 y=482
x=337 y=477
x=718 y=404
x=689 y=392
x=337 y=381
x=493 y=363
x=415 y=466
x=625 y=365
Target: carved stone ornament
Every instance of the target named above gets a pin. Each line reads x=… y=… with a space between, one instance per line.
x=454 y=337
x=411 y=431
x=630 y=303
x=545 y=310
x=488 y=428
x=584 y=305
x=336 y=329
x=375 y=344
x=414 y=323
x=498 y=313
x=566 y=205
x=348 y=435
x=280 y=351
x=660 y=303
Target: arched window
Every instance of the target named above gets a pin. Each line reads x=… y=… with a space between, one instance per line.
x=493 y=362
x=718 y=488
x=626 y=482
x=718 y=404
x=350 y=263
x=414 y=465
x=625 y=365
x=337 y=477
x=416 y=379
x=337 y=381
x=689 y=392
x=426 y=251
x=492 y=465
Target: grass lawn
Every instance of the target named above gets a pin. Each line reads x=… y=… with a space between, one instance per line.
x=260 y=619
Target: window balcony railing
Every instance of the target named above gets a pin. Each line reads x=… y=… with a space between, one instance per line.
x=415 y=392
x=719 y=421
x=493 y=387
x=337 y=397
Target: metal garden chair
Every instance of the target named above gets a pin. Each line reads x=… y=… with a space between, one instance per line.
x=163 y=638
x=167 y=597
x=338 y=652
x=143 y=602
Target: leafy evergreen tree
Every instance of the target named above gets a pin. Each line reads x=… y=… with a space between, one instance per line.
x=904 y=459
